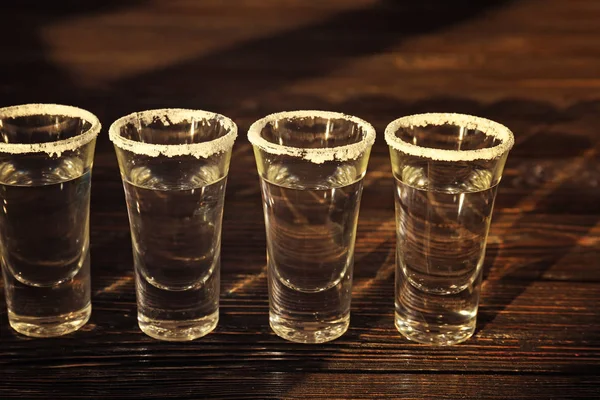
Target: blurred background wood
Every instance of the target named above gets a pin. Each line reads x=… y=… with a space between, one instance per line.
x=531 y=64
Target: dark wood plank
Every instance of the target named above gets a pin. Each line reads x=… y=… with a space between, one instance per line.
x=189 y=383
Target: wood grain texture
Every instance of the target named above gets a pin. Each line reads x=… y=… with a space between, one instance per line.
x=531 y=64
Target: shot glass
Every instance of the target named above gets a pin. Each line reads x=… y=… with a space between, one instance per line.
x=311 y=166
x=174 y=165
x=447 y=168
x=46 y=156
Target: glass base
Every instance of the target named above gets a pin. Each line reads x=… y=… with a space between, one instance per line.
x=309 y=332
x=437 y=335
x=177 y=331
x=44 y=327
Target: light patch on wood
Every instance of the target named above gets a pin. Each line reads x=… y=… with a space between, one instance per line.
x=115 y=286
x=247 y=281
x=165 y=34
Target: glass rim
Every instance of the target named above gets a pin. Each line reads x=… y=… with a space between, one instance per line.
x=56 y=147
x=488 y=127
x=175 y=116
x=314 y=155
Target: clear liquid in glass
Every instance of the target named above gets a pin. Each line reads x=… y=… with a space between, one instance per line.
x=310 y=245
x=441 y=238
x=44 y=223
x=176 y=234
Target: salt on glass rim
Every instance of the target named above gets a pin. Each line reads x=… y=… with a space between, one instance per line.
x=488 y=127
x=173 y=116
x=314 y=155
x=51 y=148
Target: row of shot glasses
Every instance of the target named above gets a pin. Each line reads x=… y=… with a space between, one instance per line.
x=174 y=165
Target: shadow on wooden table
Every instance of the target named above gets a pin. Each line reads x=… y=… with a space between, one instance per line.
x=557 y=187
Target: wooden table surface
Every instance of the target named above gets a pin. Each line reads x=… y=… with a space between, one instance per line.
x=533 y=65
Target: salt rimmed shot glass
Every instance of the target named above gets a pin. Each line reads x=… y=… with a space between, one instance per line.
x=174 y=165
x=46 y=157
x=311 y=166
x=447 y=169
